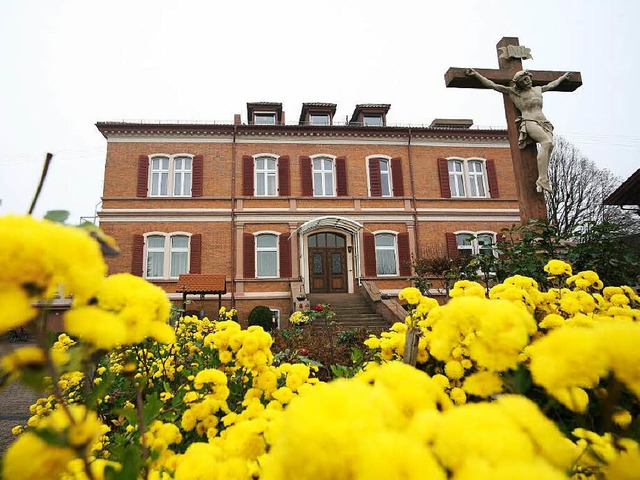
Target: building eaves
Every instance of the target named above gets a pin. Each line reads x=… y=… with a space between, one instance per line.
x=628 y=193
x=132 y=129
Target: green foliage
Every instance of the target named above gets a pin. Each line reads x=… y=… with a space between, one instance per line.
x=602 y=248
x=262 y=316
x=526 y=250
x=58 y=216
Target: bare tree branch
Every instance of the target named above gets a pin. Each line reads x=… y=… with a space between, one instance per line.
x=579 y=191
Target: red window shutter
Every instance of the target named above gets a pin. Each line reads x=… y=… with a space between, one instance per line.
x=492 y=178
x=443 y=174
x=404 y=255
x=369 y=254
x=284 y=184
x=195 y=260
x=341 y=176
x=306 y=178
x=249 y=260
x=247 y=175
x=375 y=182
x=197 y=176
x=285 y=256
x=143 y=175
x=396 y=175
x=137 y=255
x=452 y=245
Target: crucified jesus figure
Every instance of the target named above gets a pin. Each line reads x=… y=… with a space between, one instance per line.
x=533 y=126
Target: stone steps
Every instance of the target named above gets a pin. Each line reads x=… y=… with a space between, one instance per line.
x=352 y=310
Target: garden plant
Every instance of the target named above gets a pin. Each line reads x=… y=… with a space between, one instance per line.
x=523 y=382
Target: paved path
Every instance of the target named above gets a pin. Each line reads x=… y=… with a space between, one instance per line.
x=14 y=402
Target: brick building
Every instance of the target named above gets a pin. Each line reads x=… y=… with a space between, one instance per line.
x=287 y=210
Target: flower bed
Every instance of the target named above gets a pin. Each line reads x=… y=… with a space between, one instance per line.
x=513 y=383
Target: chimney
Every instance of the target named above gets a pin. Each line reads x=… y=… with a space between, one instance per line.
x=236 y=119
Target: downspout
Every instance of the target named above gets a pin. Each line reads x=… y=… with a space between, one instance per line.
x=233 y=216
x=413 y=193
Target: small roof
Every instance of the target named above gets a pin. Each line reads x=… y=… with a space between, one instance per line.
x=201 y=283
x=628 y=193
x=339 y=223
x=451 y=123
x=374 y=108
x=329 y=108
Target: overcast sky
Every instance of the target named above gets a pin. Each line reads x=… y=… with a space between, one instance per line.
x=68 y=64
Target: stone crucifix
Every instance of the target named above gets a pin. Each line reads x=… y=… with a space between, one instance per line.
x=526 y=125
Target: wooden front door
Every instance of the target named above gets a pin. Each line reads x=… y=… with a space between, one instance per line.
x=327 y=263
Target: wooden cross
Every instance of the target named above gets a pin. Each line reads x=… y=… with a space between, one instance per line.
x=510 y=54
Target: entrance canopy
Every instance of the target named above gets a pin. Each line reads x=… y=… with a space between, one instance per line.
x=339 y=223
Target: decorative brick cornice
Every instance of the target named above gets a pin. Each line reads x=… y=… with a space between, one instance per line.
x=132 y=129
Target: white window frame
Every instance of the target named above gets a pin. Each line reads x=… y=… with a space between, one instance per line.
x=266 y=173
x=275 y=249
x=475 y=246
x=469 y=178
x=325 y=116
x=276 y=313
x=324 y=174
x=171 y=175
x=271 y=115
x=371 y=116
x=389 y=178
x=393 y=248
x=167 y=253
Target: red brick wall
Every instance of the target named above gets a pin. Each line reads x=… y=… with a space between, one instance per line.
x=218 y=169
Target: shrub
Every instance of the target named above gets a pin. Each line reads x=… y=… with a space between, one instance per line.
x=262 y=316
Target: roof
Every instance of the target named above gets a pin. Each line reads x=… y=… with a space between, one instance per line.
x=451 y=123
x=200 y=283
x=628 y=193
x=349 y=131
x=317 y=106
x=339 y=223
x=378 y=108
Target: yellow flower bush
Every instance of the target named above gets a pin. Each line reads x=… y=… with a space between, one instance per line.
x=40 y=257
x=129 y=395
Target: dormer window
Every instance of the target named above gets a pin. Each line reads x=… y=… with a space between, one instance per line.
x=370 y=114
x=264 y=118
x=372 y=120
x=317 y=113
x=265 y=113
x=319 y=119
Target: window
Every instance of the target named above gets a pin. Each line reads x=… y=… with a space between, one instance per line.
x=319 y=119
x=264 y=118
x=167 y=256
x=467 y=178
x=170 y=176
x=385 y=177
x=323 y=177
x=386 y=254
x=266 y=176
x=266 y=255
x=372 y=120
x=470 y=243
x=276 y=316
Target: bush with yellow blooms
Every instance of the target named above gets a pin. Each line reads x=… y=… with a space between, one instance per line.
x=514 y=382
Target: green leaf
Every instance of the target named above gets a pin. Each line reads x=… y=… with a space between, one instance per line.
x=130 y=457
x=51 y=437
x=58 y=216
x=519 y=379
x=152 y=407
x=356 y=355
x=129 y=413
x=100 y=391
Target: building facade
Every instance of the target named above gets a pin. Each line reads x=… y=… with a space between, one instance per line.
x=284 y=211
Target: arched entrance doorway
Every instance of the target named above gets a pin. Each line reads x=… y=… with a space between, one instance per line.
x=325 y=266
x=327 y=262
